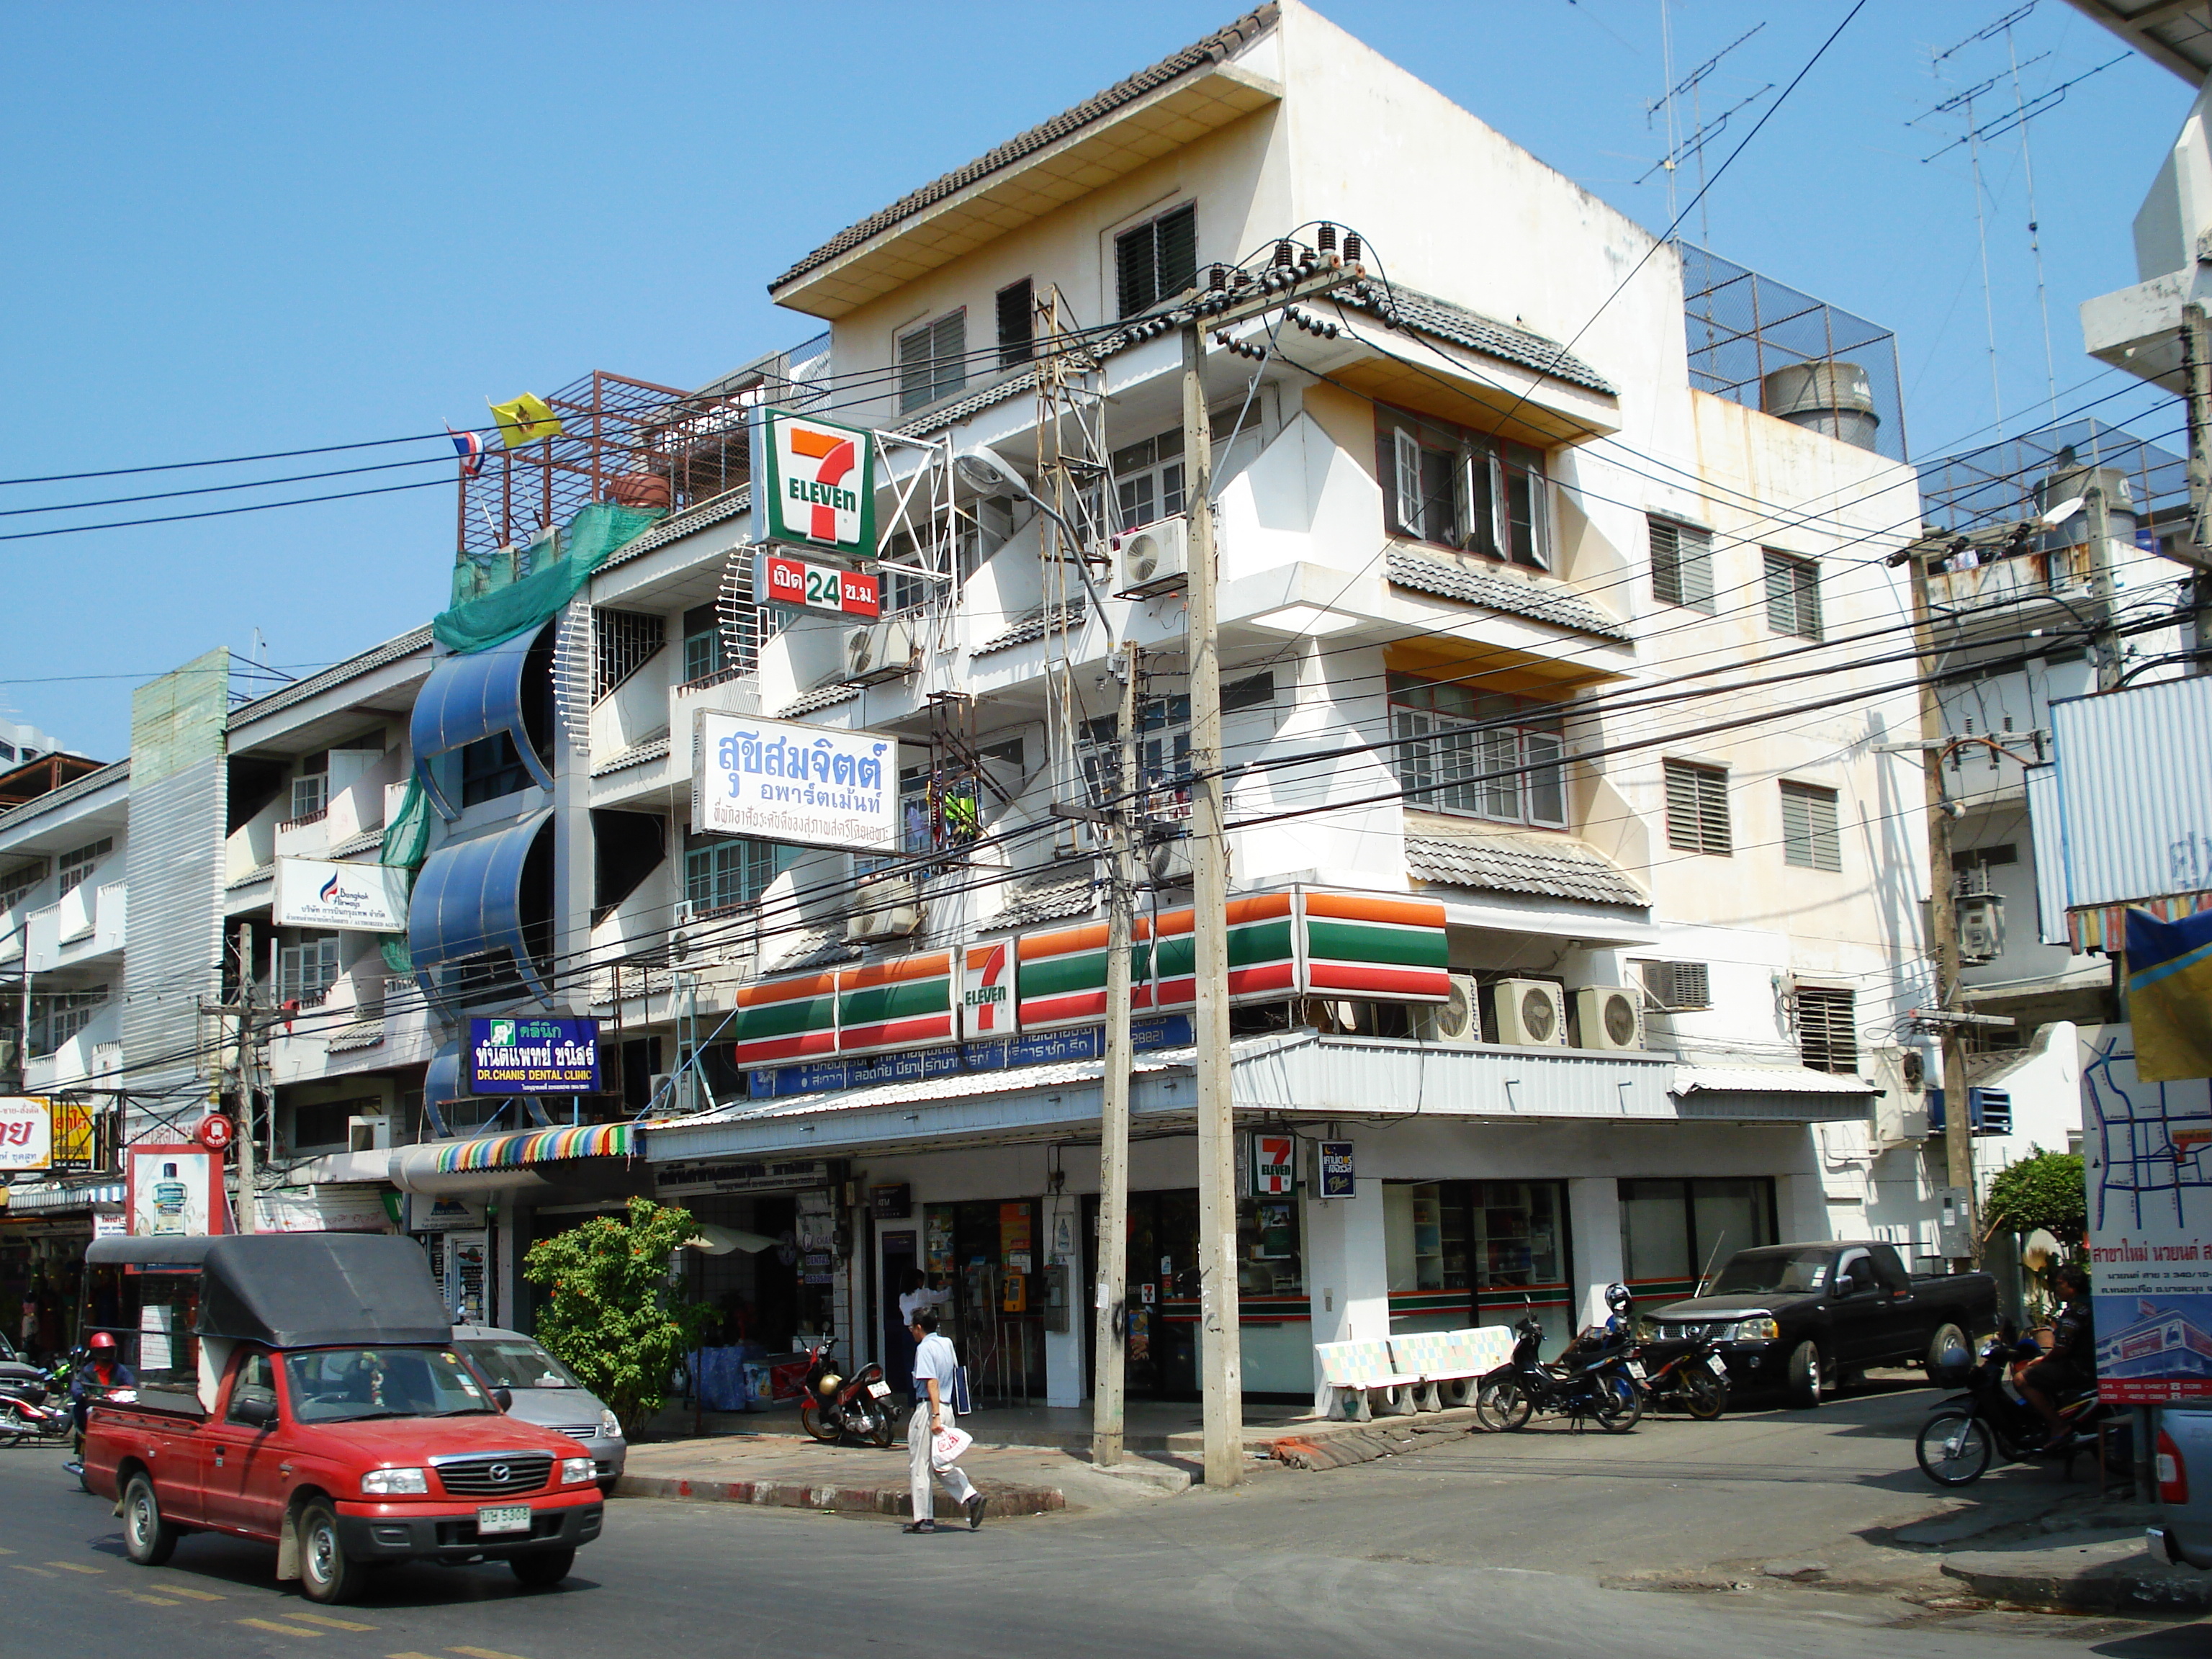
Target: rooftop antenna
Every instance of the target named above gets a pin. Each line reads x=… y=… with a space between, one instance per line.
x=1700 y=133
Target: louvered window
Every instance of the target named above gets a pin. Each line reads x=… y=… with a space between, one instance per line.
x=623 y=641
x=1810 y=839
x=1679 y=986
x=1156 y=261
x=1017 y=323
x=1682 y=564
x=1697 y=809
x=933 y=361
x=1793 y=595
x=1827 y=1030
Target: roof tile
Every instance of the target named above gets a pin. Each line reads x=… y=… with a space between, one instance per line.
x=1549 y=867
x=1540 y=601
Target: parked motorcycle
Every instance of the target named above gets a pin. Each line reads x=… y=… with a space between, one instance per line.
x=1965 y=1432
x=833 y=1405
x=1691 y=1372
x=22 y=1418
x=1604 y=1387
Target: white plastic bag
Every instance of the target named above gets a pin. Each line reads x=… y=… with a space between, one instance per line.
x=947 y=1445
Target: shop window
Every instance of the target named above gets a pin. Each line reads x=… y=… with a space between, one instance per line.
x=1827 y=1029
x=1462 y=489
x=1682 y=564
x=1156 y=260
x=1697 y=809
x=1462 y=1253
x=1674 y=1232
x=1485 y=755
x=1810 y=837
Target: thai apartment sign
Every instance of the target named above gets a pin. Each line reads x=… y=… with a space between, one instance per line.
x=364 y=899
x=807 y=785
x=814 y=484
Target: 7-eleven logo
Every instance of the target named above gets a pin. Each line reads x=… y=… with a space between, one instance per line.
x=987 y=990
x=822 y=472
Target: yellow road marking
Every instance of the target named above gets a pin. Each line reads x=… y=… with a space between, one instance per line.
x=281 y=1630
x=41 y=1571
x=141 y=1596
x=318 y=1619
x=407 y=1655
x=7 y=1552
x=484 y=1653
x=72 y=1566
x=197 y=1594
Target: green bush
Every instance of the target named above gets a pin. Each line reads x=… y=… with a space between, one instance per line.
x=610 y=1316
x=2046 y=1190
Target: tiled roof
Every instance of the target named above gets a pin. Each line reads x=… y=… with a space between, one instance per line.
x=361 y=1034
x=1541 y=602
x=637 y=754
x=1412 y=309
x=1059 y=896
x=815 y=949
x=1034 y=625
x=254 y=877
x=1550 y=866
x=338 y=674
x=368 y=841
x=821 y=696
x=1215 y=48
x=700 y=516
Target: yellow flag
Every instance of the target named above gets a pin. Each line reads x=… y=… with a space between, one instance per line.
x=525 y=420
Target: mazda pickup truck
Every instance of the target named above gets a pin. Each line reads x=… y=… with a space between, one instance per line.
x=304 y=1389
x=1806 y=1317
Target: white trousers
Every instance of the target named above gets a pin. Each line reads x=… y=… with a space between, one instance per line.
x=918 y=1465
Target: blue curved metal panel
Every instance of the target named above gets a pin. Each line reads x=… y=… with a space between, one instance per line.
x=466 y=699
x=468 y=901
x=441 y=1081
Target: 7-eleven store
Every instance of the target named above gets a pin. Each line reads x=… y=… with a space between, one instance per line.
x=945 y=1106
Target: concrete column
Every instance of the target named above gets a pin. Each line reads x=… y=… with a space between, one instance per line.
x=1802 y=1203
x=1060 y=1241
x=1348 y=1273
x=1594 y=1215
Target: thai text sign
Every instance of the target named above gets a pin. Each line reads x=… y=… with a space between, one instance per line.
x=781 y=580
x=1332 y=1169
x=806 y=786
x=533 y=1056
x=368 y=898
x=2145 y=1147
x=27 y=1136
x=814 y=484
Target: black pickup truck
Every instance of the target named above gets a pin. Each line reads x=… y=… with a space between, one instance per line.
x=1806 y=1317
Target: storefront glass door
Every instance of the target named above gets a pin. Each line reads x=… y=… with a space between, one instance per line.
x=1674 y=1232
x=1464 y=1253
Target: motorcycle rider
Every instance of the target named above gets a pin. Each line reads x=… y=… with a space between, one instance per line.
x=103 y=1370
x=2071 y=1364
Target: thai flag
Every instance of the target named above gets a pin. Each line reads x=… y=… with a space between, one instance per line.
x=470 y=447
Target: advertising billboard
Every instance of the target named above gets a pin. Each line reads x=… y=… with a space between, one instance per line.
x=814 y=484
x=177 y=1191
x=26 y=1134
x=804 y=786
x=364 y=898
x=533 y=1056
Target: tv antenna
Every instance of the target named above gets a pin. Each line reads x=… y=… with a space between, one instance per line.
x=1679 y=150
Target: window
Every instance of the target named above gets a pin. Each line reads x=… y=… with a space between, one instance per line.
x=1162 y=755
x=1682 y=564
x=1017 y=323
x=19 y=885
x=256 y=1383
x=1679 y=987
x=1673 y=1232
x=707 y=655
x=1809 y=837
x=722 y=873
x=1827 y=1030
x=73 y=865
x=7 y=751
x=1148 y=480
x=1446 y=484
x=58 y=1016
x=490 y=767
x=1793 y=595
x=1483 y=754
x=1157 y=260
x=933 y=361
x=329 y=1122
x=1697 y=809
x=305 y=972
x=621 y=640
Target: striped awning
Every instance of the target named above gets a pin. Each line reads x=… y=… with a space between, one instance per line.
x=48 y=1197
x=2104 y=926
x=529 y=1146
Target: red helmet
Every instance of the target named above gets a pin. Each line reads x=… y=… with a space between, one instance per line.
x=102 y=1342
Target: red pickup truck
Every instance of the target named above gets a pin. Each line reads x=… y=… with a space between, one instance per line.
x=302 y=1388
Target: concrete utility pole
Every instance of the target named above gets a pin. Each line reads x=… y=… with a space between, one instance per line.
x=1108 y=1345
x=2197 y=370
x=2103 y=614
x=248 y=1216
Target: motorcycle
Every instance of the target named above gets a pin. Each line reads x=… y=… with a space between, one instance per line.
x=831 y=1405
x=1605 y=1387
x=23 y=1418
x=1965 y=1432
x=1694 y=1374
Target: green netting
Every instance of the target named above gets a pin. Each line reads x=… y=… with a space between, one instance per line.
x=513 y=593
x=406 y=844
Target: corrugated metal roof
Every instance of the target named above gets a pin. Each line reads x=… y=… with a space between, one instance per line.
x=1766 y=1080
x=1541 y=602
x=2134 y=791
x=1215 y=48
x=1035 y=625
x=821 y=697
x=1409 y=308
x=1555 y=867
x=338 y=674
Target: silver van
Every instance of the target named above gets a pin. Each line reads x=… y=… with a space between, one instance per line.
x=545 y=1392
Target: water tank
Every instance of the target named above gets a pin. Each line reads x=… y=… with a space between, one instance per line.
x=2068 y=481
x=1823 y=396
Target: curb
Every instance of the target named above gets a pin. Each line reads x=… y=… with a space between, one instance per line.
x=2146 y=1588
x=999 y=1500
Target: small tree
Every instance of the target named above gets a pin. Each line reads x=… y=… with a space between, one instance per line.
x=611 y=1317
x=2046 y=1190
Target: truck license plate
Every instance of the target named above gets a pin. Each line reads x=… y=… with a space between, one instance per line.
x=503 y=1517
x=880 y=1391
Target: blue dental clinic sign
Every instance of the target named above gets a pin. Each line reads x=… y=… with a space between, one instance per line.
x=533 y=1056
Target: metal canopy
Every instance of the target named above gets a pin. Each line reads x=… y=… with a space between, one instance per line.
x=467 y=699
x=469 y=902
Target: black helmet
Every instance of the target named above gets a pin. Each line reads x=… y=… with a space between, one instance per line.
x=1618 y=1298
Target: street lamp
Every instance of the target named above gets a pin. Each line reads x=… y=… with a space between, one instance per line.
x=989 y=473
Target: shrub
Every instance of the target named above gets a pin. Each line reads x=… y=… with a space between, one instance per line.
x=2044 y=1190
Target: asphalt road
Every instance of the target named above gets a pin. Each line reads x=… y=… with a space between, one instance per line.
x=1484 y=1546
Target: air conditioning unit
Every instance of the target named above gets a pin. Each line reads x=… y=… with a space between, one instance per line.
x=1610 y=1016
x=1457 y=1021
x=1981 y=926
x=1154 y=558
x=673 y=1101
x=887 y=906
x=368 y=1134
x=1167 y=863
x=1532 y=1013
x=879 y=651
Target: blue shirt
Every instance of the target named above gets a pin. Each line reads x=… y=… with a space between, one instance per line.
x=934 y=1358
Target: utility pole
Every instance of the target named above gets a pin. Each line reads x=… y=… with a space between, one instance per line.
x=1943 y=917
x=2197 y=369
x=2103 y=614
x=1109 y=1341
x=248 y=1219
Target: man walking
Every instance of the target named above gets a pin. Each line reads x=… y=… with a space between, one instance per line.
x=934 y=1367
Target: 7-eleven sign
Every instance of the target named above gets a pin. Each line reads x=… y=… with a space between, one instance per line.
x=987 y=991
x=814 y=484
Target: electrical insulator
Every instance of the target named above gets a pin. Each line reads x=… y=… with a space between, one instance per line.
x=1285 y=255
x=1217 y=278
x=1326 y=236
x=1352 y=247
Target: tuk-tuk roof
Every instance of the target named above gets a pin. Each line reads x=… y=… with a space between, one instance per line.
x=300 y=1290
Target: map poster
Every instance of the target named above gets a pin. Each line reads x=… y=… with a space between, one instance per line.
x=2146 y=1153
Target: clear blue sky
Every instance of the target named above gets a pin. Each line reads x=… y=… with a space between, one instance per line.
x=243 y=227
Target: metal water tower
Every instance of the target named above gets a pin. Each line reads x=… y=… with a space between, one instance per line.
x=2068 y=481
x=1826 y=395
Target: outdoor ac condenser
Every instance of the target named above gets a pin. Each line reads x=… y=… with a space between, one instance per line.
x=1531 y=1013
x=1457 y=1021
x=1156 y=557
x=889 y=907
x=879 y=651
x=1610 y=1016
